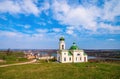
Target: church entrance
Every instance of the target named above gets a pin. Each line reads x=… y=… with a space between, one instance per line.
x=84 y=59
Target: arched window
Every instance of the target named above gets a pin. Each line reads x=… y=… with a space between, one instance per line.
x=80 y=58
x=62 y=46
x=64 y=58
x=69 y=58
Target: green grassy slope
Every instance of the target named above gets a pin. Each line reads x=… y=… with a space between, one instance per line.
x=62 y=71
x=12 y=57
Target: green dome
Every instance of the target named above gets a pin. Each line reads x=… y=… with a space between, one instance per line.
x=74 y=47
x=62 y=39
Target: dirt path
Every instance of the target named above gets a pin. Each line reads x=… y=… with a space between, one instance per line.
x=19 y=63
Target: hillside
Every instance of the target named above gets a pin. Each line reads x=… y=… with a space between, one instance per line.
x=53 y=70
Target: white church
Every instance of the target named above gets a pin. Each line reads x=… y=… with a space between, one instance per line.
x=73 y=55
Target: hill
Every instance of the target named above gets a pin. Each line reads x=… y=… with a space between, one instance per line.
x=53 y=70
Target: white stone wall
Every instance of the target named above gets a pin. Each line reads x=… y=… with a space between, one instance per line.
x=78 y=56
x=58 y=56
x=64 y=56
x=60 y=45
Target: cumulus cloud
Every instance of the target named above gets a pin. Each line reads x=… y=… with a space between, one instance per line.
x=11 y=34
x=86 y=15
x=108 y=28
x=22 y=7
x=42 y=30
x=9 y=6
x=14 y=39
x=14 y=35
x=77 y=16
x=41 y=23
x=28 y=6
x=56 y=29
x=70 y=30
x=87 y=18
x=111 y=10
x=27 y=26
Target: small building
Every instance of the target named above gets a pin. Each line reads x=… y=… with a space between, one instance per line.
x=30 y=56
x=74 y=54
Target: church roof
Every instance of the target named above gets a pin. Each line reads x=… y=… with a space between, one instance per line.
x=74 y=47
x=61 y=39
x=69 y=53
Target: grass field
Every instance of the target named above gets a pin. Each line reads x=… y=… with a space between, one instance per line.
x=12 y=57
x=52 y=70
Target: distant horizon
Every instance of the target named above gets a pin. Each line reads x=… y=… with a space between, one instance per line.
x=34 y=24
x=57 y=49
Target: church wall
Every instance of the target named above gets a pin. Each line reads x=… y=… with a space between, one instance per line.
x=65 y=58
x=78 y=56
x=59 y=59
x=86 y=58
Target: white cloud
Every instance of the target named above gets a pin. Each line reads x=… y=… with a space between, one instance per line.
x=111 y=39
x=70 y=32
x=14 y=35
x=45 y=8
x=12 y=39
x=109 y=28
x=38 y=35
x=42 y=30
x=86 y=18
x=41 y=23
x=22 y=7
x=111 y=10
x=27 y=26
x=9 y=6
x=11 y=34
x=56 y=29
x=28 y=6
x=77 y=16
x=81 y=17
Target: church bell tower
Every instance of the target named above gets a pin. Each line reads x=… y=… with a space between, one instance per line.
x=61 y=43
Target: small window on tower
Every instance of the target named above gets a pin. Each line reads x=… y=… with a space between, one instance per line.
x=62 y=46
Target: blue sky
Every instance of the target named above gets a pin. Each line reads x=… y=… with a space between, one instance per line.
x=38 y=24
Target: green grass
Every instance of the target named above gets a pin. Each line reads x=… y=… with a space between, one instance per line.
x=12 y=57
x=52 y=70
